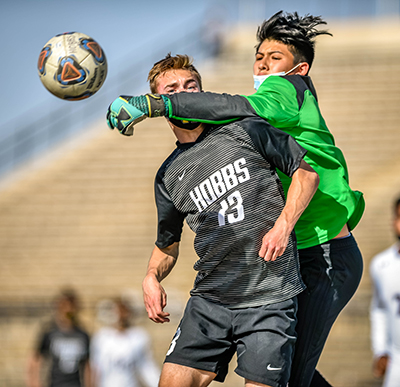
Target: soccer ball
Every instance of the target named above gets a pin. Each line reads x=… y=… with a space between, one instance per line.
x=72 y=66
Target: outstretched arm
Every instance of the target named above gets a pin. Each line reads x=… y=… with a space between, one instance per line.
x=209 y=107
x=302 y=188
x=127 y=111
x=278 y=101
x=160 y=265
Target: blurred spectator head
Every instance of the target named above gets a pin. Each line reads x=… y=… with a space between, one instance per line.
x=117 y=312
x=67 y=305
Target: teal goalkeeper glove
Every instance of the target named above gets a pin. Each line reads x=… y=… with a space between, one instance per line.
x=126 y=111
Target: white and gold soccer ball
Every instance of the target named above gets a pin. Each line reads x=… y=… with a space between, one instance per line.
x=72 y=66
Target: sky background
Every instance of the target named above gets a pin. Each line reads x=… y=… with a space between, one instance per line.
x=127 y=30
x=118 y=26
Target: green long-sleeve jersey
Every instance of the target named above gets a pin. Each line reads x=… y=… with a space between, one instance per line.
x=290 y=104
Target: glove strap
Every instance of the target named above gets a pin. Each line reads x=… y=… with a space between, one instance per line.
x=151 y=105
x=158 y=106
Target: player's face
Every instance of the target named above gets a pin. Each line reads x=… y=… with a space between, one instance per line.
x=176 y=81
x=273 y=57
x=67 y=308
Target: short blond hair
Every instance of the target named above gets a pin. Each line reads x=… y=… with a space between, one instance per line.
x=178 y=62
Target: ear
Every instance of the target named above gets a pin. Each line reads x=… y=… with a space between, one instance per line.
x=303 y=69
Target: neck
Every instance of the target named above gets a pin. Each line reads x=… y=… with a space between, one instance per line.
x=64 y=323
x=122 y=325
x=184 y=136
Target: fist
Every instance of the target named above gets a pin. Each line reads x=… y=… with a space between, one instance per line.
x=123 y=116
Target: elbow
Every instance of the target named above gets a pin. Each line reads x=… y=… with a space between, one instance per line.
x=313 y=176
x=309 y=174
x=314 y=182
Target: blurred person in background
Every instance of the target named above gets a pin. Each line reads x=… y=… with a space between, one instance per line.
x=385 y=309
x=63 y=343
x=120 y=353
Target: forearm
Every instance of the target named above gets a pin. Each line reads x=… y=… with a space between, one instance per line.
x=301 y=190
x=87 y=375
x=33 y=372
x=304 y=184
x=154 y=295
x=209 y=107
x=127 y=111
x=162 y=261
x=379 y=326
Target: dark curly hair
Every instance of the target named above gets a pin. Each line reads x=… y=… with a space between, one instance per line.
x=297 y=32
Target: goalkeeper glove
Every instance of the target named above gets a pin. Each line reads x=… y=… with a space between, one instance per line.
x=126 y=111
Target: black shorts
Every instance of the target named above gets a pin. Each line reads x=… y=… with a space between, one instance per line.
x=332 y=272
x=263 y=337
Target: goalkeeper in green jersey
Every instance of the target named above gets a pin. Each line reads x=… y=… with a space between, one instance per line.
x=331 y=263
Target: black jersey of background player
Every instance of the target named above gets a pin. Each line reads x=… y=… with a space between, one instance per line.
x=68 y=351
x=226 y=186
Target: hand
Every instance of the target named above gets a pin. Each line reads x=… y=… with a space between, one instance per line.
x=123 y=116
x=380 y=364
x=155 y=299
x=274 y=244
x=126 y=111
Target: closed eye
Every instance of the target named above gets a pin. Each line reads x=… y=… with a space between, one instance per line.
x=192 y=86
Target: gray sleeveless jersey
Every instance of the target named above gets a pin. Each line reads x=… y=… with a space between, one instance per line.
x=226 y=187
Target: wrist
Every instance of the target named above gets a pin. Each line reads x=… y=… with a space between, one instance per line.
x=284 y=224
x=140 y=102
x=151 y=105
x=158 y=105
x=152 y=275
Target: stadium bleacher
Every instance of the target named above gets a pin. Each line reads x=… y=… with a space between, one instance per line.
x=86 y=216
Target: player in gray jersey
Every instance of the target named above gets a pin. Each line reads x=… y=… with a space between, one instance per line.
x=385 y=309
x=223 y=181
